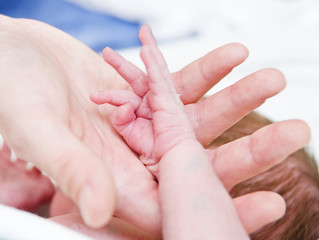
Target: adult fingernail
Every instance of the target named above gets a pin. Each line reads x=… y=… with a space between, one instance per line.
x=92 y=213
x=13 y=156
x=1 y=141
x=85 y=201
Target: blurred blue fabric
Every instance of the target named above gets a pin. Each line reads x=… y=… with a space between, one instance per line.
x=96 y=30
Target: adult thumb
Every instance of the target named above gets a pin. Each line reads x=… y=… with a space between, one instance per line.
x=77 y=170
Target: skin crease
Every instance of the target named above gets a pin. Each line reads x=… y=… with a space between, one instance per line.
x=247 y=126
x=118 y=229
x=198 y=211
x=129 y=119
x=22 y=188
x=296 y=179
x=49 y=96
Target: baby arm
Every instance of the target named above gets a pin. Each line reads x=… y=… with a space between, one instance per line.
x=191 y=208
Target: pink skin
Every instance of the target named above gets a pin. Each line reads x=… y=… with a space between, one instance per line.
x=21 y=188
x=133 y=117
x=133 y=120
x=49 y=96
x=199 y=210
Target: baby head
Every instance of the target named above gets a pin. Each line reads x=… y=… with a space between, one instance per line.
x=296 y=179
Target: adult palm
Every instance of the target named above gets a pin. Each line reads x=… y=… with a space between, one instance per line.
x=46 y=117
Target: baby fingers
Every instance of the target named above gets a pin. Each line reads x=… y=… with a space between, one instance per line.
x=171 y=124
x=131 y=73
x=116 y=98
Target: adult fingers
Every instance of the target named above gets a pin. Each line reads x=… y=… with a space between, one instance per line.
x=220 y=111
x=270 y=205
x=194 y=80
x=79 y=173
x=258 y=209
x=248 y=156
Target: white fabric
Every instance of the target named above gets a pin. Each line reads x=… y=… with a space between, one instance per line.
x=21 y=225
x=279 y=33
x=177 y=18
x=294 y=52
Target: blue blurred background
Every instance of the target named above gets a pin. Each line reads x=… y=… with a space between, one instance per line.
x=97 y=30
x=282 y=34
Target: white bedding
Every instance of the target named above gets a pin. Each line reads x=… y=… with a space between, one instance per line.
x=296 y=54
x=278 y=33
x=20 y=225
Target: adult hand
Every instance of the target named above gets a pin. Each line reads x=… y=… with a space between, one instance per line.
x=151 y=119
x=246 y=157
x=46 y=118
x=21 y=186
